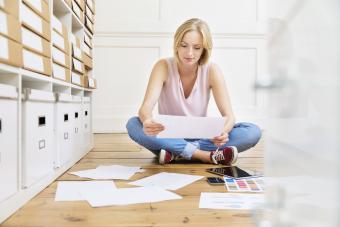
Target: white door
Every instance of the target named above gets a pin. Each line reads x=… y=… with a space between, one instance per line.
x=302 y=89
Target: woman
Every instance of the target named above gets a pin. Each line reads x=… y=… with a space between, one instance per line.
x=181 y=85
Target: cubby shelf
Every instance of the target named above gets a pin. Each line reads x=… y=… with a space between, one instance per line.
x=45 y=121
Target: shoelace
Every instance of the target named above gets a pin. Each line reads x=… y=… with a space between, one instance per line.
x=218 y=155
x=175 y=157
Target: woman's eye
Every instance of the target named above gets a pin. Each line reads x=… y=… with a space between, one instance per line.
x=182 y=45
x=197 y=48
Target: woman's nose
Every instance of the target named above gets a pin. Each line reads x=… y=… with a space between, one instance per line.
x=190 y=51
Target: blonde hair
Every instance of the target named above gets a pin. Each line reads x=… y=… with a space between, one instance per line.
x=202 y=27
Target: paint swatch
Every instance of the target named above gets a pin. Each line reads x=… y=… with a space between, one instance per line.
x=244 y=185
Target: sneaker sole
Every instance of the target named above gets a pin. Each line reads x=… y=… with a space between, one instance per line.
x=235 y=155
x=161 y=157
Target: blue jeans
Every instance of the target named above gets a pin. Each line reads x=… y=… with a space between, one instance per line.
x=243 y=136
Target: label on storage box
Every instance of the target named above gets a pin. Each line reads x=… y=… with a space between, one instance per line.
x=4 y=48
x=91 y=83
x=87 y=40
x=76 y=78
x=33 y=61
x=59 y=56
x=89 y=13
x=73 y=38
x=57 y=25
x=37 y=4
x=89 y=3
x=77 y=65
x=77 y=52
x=59 y=72
x=87 y=50
x=58 y=40
x=3 y=23
x=32 y=40
x=89 y=23
x=76 y=9
x=30 y=18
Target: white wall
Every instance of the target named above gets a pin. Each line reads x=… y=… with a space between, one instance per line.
x=131 y=35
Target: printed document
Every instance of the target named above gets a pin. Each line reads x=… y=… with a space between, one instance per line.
x=125 y=196
x=190 y=127
x=238 y=201
x=171 y=181
x=109 y=172
x=70 y=190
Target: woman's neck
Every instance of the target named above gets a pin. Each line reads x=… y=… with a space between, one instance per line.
x=185 y=70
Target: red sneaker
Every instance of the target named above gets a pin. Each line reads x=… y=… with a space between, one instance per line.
x=165 y=157
x=227 y=156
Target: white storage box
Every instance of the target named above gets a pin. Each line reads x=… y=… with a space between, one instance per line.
x=60 y=57
x=77 y=79
x=64 y=127
x=8 y=141
x=76 y=52
x=40 y=7
x=87 y=50
x=36 y=63
x=78 y=121
x=38 y=135
x=88 y=40
x=34 y=42
x=61 y=73
x=34 y=22
x=78 y=66
x=87 y=124
x=61 y=42
x=78 y=12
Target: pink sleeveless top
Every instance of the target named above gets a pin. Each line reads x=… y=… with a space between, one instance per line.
x=172 y=100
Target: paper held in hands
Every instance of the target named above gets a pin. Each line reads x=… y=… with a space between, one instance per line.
x=190 y=127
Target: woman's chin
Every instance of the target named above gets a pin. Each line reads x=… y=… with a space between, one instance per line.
x=189 y=62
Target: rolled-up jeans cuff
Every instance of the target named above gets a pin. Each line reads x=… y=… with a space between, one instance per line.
x=188 y=151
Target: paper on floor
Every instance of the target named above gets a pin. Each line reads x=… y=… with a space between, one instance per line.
x=125 y=196
x=70 y=190
x=109 y=172
x=239 y=201
x=171 y=181
x=190 y=127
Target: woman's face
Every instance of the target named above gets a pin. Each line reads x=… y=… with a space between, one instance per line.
x=190 y=48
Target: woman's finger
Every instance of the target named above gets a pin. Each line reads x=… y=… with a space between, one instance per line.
x=154 y=127
x=152 y=132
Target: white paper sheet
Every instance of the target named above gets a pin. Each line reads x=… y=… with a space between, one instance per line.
x=125 y=196
x=190 y=127
x=70 y=190
x=238 y=201
x=3 y=23
x=4 y=53
x=109 y=172
x=171 y=181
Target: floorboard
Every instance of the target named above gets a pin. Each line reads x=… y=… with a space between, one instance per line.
x=110 y=149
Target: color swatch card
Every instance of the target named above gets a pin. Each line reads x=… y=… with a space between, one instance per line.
x=244 y=184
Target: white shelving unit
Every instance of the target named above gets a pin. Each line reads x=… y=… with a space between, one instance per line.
x=68 y=122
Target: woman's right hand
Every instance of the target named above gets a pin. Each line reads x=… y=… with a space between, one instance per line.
x=152 y=128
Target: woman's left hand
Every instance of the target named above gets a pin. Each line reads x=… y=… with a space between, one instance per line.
x=221 y=140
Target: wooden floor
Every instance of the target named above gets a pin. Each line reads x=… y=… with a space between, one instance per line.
x=119 y=149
